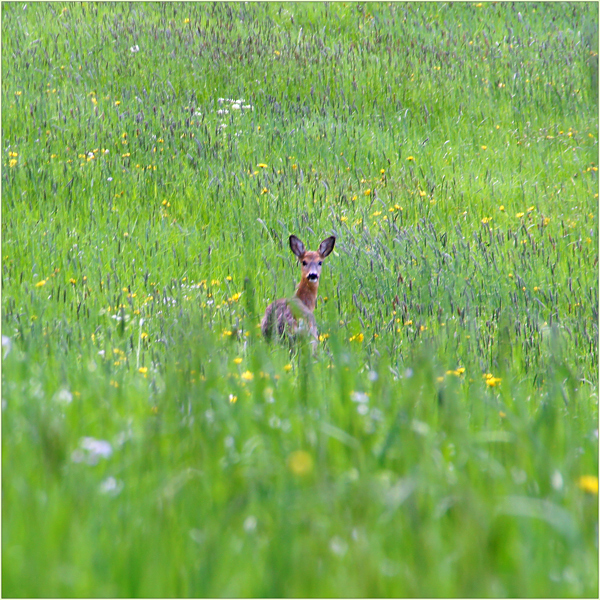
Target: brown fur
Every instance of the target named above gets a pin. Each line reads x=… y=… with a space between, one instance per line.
x=289 y=316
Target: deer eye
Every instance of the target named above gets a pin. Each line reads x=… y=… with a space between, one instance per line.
x=304 y=263
x=320 y=262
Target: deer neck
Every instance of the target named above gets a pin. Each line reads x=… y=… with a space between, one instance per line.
x=307 y=293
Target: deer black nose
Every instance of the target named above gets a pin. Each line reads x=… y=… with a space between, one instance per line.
x=312 y=277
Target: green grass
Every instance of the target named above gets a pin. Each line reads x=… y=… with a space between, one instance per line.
x=443 y=441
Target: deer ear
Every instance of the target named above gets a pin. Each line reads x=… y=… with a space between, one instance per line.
x=297 y=246
x=326 y=246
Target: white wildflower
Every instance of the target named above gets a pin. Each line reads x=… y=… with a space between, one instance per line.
x=360 y=397
x=63 y=396
x=6 y=345
x=91 y=451
x=111 y=486
x=250 y=524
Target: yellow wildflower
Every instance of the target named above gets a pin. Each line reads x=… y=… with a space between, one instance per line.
x=300 y=462
x=588 y=483
x=491 y=381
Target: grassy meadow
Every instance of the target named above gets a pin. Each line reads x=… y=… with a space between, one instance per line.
x=442 y=440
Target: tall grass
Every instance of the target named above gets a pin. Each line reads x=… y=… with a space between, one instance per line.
x=444 y=439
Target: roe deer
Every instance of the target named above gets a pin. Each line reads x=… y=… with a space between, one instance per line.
x=288 y=316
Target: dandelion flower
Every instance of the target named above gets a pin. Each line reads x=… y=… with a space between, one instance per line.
x=247 y=376
x=410 y=158
x=520 y=214
x=237 y=360
x=232 y=398
x=41 y=283
x=287 y=367
x=143 y=370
